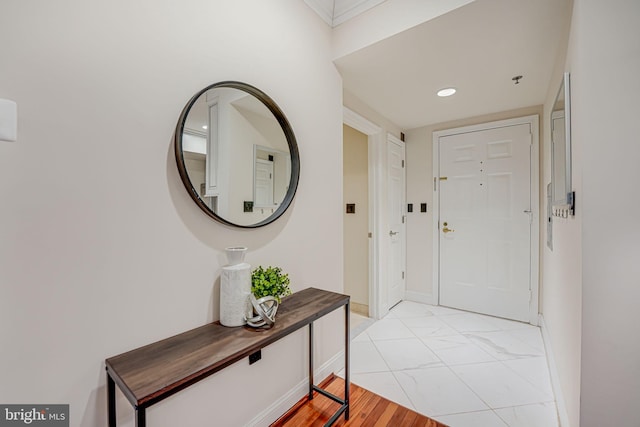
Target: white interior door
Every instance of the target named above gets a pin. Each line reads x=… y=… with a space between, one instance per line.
x=397 y=227
x=264 y=183
x=485 y=221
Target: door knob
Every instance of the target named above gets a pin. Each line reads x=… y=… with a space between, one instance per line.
x=447 y=230
x=392 y=233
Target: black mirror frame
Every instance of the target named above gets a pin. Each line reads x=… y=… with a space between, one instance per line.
x=286 y=128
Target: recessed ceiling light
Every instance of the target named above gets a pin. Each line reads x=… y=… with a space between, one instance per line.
x=446 y=92
x=205 y=127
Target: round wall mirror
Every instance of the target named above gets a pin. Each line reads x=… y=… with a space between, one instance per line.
x=237 y=155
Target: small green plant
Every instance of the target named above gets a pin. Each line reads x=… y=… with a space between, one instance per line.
x=270 y=281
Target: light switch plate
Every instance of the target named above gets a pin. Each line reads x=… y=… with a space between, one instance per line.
x=8 y=120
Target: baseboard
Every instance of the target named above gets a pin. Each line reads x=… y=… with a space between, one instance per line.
x=362 y=309
x=563 y=416
x=419 y=297
x=282 y=405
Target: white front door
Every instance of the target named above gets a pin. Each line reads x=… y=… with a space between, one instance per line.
x=485 y=221
x=397 y=227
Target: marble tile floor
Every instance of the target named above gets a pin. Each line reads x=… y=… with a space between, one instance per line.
x=462 y=369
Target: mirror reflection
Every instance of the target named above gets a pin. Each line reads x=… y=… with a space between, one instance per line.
x=561 y=149
x=236 y=152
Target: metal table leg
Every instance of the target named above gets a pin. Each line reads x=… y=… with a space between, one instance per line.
x=111 y=400
x=347 y=333
x=311 y=361
x=141 y=417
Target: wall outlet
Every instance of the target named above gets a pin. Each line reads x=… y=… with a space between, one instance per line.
x=254 y=357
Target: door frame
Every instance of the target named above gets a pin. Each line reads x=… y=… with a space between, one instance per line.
x=376 y=154
x=534 y=264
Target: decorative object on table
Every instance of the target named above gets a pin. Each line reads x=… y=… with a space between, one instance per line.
x=235 y=288
x=265 y=309
x=268 y=286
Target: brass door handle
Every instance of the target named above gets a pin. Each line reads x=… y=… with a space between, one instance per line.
x=447 y=230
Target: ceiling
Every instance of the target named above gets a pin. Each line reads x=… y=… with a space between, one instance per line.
x=335 y=12
x=477 y=48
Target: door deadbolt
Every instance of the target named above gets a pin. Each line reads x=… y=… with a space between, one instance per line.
x=446 y=229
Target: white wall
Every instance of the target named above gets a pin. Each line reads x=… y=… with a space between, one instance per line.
x=590 y=280
x=356 y=105
x=605 y=66
x=561 y=275
x=101 y=248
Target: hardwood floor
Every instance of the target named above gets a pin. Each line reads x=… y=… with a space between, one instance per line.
x=366 y=409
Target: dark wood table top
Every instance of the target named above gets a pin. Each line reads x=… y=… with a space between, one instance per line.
x=151 y=373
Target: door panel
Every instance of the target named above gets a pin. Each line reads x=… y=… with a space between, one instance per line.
x=264 y=183
x=395 y=199
x=484 y=200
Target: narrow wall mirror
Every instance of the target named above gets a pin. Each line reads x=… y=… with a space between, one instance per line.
x=237 y=155
x=562 y=193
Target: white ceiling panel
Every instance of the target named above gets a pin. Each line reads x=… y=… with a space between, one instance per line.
x=476 y=48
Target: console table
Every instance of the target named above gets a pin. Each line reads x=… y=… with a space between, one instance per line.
x=156 y=371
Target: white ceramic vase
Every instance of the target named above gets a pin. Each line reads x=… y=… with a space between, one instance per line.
x=235 y=288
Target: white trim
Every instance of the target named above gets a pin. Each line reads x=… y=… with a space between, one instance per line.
x=360 y=7
x=435 y=283
x=419 y=297
x=563 y=416
x=535 y=221
x=359 y=123
x=376 y=145
x=327 y=10
x=287 y=401
x=377 y=154
x=533 y=121
x=319 y=8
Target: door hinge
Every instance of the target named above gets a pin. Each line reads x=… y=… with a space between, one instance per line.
x=434 y=184
x=403 y=163
x=403 y=274
x=403 y=217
